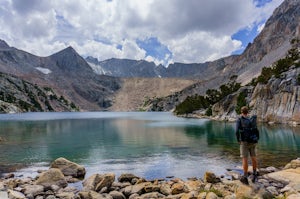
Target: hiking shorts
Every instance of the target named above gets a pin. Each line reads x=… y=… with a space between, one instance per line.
x=247 y=148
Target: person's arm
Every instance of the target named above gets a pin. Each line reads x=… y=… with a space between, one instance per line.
x=237 y=130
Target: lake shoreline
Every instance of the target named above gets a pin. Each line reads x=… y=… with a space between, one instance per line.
x=58 y=179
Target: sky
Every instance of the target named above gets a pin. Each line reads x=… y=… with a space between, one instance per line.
x=162 y=31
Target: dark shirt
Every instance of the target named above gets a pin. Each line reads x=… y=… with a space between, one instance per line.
x=240 y=126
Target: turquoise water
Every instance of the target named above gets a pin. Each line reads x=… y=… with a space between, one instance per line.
x=148 y=144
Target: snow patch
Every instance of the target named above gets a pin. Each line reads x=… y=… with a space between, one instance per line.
x=98 y=69
x=46 y=71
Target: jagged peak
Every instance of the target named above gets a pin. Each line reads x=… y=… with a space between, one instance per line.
x=67 y=51
x=91 y=59
x=3 y=44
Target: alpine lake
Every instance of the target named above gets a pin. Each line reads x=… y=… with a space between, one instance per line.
x=148 y=144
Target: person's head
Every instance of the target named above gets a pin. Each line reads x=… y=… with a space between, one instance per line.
x=244 y=110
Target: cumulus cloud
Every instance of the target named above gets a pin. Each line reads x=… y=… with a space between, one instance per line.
x=192 y=31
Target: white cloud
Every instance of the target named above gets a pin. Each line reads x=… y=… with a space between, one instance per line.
x=194 y=31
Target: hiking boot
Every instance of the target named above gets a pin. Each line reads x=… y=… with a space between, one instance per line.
x=254 y=177
x=244 y=180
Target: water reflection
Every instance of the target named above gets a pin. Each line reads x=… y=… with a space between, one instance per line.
x=149 y=144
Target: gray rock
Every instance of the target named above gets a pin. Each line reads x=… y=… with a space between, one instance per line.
x=33 y=189
x=68 y=168
x=272 y=190
x=66 y=195
x=230 y=197
x=210 y=177
x=133 y=196
x=117 y=195
x=49 y=197
x=52 y=177
x=165 y=189
x=152 y=195
x=15 y=195
x=211 y=195
x=3 y=195
x=126 y=177
x=96 y=182
x=138 y=188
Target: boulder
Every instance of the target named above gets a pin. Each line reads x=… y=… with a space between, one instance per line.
x=126 y=177
x=293 y=196
x=293 y=164
x=137 y=188
x=3 y=195
x=287 y=176
x=210 y=177
x=66 y=195
x=68 y=168
x=106 y=180
x=243 y=191
x=15 y=195
x=177 y=188
x=33 y=189
x=202 y=195
x=152 y=188
x=93 y=195
x=194 y=185
x=152 y=195
x=117 y=195
x=52 y=177
x=165 y=189
x=97 y=181
x=211 y=195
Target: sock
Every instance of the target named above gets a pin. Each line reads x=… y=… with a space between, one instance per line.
x=254 y=172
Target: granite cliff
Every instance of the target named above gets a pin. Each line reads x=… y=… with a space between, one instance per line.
x=271 y=45
x=277 y=101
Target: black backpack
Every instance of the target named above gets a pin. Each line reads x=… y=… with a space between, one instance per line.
x=249 y=132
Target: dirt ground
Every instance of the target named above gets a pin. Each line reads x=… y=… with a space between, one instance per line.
x=135 y=91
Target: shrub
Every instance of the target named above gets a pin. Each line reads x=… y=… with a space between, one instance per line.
x=193 y=103
x=241 y=101
x=190 y=104
x=208 y=111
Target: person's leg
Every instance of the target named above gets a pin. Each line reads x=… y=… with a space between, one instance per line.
x=252 y=151
x=245 y=166
x=244 y=155
x=254 y=163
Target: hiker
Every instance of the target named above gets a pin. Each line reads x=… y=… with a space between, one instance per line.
x=247 y=136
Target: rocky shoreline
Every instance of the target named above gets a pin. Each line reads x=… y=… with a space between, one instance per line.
x=58 y=183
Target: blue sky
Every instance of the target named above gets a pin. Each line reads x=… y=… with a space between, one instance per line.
x=187 y=31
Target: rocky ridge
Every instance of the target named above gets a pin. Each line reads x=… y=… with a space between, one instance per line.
x=18 y=95
x=269 y=46
x=58 y=180
x=65 y=72
x=277 y=101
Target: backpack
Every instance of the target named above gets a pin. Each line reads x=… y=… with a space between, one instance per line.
x=250 y=132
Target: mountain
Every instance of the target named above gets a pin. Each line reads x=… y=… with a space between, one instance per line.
x=66 y=72
x=125 y=67
x=270 y=45
x=17 y=95
x=94 y=85
x=132 y=68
